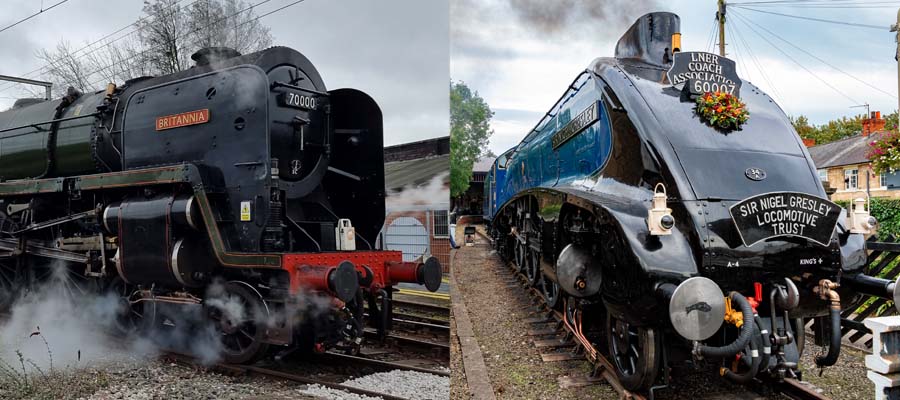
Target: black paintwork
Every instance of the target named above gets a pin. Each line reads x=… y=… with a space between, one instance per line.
x=657 y=138
x=299 y=167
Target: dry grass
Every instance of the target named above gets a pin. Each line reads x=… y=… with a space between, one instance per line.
x=23 y=378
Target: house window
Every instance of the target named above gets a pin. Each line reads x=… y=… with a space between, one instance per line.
x=441 y=223
x=882 y=180
x=851 y=179
x=823 y=175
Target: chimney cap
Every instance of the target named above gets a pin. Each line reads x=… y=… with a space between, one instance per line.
x=208 y=55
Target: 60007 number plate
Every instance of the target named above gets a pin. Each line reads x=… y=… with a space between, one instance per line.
x=780 y=214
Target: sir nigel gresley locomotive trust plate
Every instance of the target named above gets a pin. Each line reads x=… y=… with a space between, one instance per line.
x=780 y=214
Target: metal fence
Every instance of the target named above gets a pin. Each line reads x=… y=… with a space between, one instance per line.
x=884 y=257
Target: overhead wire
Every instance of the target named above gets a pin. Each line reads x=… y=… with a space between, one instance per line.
x=89 y=45
x=788 y=56
x=831 y=21
x=806 y=2
x=816 y=57
x=43 y=10
x=99 y=82
x=821 y=4
x=775 y=92
x=712 y=34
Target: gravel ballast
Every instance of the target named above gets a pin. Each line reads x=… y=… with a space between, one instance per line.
x=406 y=384
x=497 y=310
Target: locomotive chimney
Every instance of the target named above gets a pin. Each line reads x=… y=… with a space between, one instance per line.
x=209 y=55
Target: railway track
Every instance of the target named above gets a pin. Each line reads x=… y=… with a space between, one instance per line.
x=232 y=369
x=602 y=369
x=422 y=307
x=326 y=358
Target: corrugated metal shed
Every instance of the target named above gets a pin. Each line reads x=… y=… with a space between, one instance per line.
x=848 y=151
x=401 y=174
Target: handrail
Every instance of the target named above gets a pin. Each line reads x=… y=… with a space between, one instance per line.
x=35 y=125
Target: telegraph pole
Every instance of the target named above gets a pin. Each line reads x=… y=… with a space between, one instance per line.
x=47 y=85
x=720 y=15
x=896 y=28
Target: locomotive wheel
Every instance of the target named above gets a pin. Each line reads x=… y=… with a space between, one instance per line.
x=130 y=317
x=7 y=287
x=550 y=291
x=634 y=351
x=519 y=253
x=532 y=266
x=236 y=317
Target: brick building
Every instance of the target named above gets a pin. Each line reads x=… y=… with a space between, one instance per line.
x=417 y=180
x=843 y=164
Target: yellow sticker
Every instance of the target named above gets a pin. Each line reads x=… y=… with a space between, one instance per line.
x=245 y=211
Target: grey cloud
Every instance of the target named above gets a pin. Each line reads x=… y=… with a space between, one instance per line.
x=395 y=50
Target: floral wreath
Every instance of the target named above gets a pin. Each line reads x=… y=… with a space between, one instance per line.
x=722 y=110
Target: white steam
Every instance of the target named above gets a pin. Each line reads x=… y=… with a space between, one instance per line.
x=433 y=195
x=56 y=325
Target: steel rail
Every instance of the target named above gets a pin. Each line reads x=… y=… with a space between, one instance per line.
x=247 y=369
x=602 y=367
x=386 y=365
x=791 y=388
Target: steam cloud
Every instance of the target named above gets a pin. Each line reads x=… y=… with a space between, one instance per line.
x=59 y=325
x=435 y=192
x=579 y=15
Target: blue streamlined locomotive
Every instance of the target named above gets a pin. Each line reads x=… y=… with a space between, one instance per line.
x=668 y=235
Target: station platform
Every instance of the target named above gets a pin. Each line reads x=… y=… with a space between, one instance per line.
x=414 y=292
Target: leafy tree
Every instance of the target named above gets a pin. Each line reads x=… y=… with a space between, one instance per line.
x=832 y=130
x=163 y=41
x=802 y=126
x=470 y=129
x=836 y=129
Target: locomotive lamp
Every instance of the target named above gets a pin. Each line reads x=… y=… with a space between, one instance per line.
x=660 y=218
x=860 y=219
x=676 y=42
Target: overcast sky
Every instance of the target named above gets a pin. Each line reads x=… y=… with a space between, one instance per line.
x=395 y=50
x=521 y=54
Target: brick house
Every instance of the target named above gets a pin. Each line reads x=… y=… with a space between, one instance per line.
x=844 y=167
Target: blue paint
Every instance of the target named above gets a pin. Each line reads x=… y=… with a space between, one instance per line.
x=535 y=163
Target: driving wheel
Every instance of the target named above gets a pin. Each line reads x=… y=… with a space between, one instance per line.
x=634 y=351
x=532 y=266
x=519 y=255
x=8 y=286
x=238 y=315
x=550 y=291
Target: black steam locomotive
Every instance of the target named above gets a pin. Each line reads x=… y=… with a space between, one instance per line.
x=242 y=174
x=668 y=233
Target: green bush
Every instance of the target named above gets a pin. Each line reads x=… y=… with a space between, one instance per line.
x=887 y=211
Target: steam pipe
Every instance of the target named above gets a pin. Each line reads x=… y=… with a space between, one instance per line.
x=826 y=291
x=742 y=339
x=746 y=377
x=870 y=285
x=665 y=292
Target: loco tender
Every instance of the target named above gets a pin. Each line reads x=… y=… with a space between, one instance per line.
x=242 y=177
x=667 y=239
